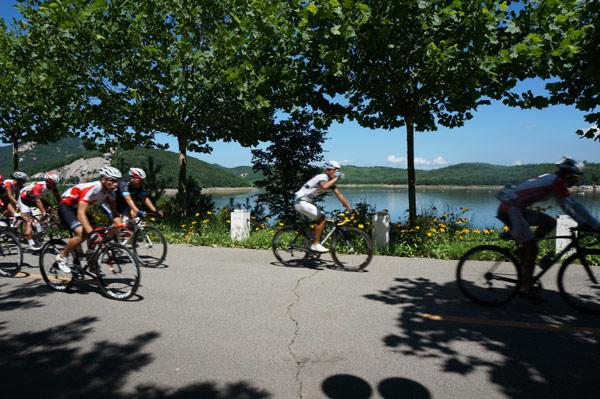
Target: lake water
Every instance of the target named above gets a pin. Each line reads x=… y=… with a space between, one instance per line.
x=480 y=201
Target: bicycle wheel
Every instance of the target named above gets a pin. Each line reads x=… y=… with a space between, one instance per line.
x=150 y=246
x=579 y=281
x=117 y=272
x=11 y=254
x=351 y=249
x=52 y=275
x=488 y=275
x=290 y=246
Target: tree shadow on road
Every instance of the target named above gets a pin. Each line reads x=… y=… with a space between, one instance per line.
x=53 y=363
x=347 y=386
x=23 y=297
x=534 y=361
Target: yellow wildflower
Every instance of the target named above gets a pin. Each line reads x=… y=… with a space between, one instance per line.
x=183 y=225
x=429 y=234
x=442 y=230
x=361 y=226
x=209 y=213
x=197 y=214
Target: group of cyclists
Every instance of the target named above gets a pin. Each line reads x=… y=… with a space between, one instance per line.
x=117 y=196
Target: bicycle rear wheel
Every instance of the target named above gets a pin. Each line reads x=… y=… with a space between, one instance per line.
x=488 y=275
x=351 y=249
x=52 y=275
x=117 y=271
x=579 y=281
x=150 y=246
x=11 y=254
x=290 y=246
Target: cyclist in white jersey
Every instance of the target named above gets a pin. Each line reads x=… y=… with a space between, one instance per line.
x=313 y=189
x=514 y=211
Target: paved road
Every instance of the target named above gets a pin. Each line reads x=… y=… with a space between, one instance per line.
x=229 y=323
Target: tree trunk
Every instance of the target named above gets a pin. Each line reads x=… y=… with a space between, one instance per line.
x=182 y=183
x=15 y=151
x=410 y=160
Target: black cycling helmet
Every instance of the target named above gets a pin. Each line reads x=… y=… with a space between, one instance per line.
x=569 y=164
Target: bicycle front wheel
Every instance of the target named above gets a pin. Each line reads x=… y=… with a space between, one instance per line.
x=117 y=272
x=351 y=249
x=488 y=275
x=579 y=281
x=290 y=246
x=52 y=275
x=11 y=254
x=150 y=246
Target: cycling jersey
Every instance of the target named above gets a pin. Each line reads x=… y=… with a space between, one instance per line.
x=312 y=188
x=33 y=191
x=515 y=201
x=124 y=188
x=88 y=193
x=9 y=185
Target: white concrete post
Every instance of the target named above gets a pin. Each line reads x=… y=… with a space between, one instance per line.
x=240 y=225
x=563 y=228
x=381 y=229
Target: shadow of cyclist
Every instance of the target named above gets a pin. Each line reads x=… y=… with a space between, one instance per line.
x=520 y=349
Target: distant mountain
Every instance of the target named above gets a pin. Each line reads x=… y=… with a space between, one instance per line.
x=38 y=158
x=35 y=158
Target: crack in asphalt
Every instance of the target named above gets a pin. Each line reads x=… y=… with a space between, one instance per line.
x=299 y=364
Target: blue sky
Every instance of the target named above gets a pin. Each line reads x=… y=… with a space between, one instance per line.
x=497 y=134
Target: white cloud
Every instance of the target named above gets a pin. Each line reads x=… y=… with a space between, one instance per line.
x=345 y=162
x=419 y=161
x=518 y=163
x=395 y=159
x=530 y=126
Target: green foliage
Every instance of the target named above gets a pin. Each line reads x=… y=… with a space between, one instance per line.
x=287 y=163
x=204 y=174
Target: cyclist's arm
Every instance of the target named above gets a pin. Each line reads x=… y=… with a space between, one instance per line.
x=131 y=203
x=342 y=199
x=11 y=197
x=40 y=205
x=329 y=183
x=578 y=212
x=149 y=204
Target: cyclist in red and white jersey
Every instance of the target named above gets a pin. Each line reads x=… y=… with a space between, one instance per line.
x=9 y=192
x=74 y=204
x=313 y=189
x=30 y=196
x=514 y=212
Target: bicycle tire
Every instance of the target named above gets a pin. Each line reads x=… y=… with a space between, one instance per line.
x=158 y=241
x=117 y=272
x=290 y=246
x=351 y=249
x=488 y=275
x=11 y=254
x=578 y=289
x=52 y=275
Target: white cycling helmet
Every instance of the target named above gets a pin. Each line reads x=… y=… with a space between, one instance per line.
x=110 y=172
x=568 y=163
x=20 y=176
x=137 y=172
x=332 y=165
x=52 y=177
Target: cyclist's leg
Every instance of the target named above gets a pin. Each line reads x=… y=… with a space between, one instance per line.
x=68 y=217
x=27 y=213
x=522 y=233
x=314 y=214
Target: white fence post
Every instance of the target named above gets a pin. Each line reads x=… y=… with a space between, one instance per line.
x=381 y=229
x=240 y=225
x=563 y=228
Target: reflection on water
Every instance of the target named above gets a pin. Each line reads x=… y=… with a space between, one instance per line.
x=480 y=201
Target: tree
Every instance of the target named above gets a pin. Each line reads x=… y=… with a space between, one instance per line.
x=562 y=45
x=287 y=163
x=28 y=104
x=180 y=67
x=421 y=64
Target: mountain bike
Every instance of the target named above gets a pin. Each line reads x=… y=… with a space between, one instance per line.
x=146 y=241
x=350 y=247
x=112 y=265
x=490 y=275
x=11 y=254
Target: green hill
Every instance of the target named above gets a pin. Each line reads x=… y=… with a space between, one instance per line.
x=42 y=157
x=208 y=175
